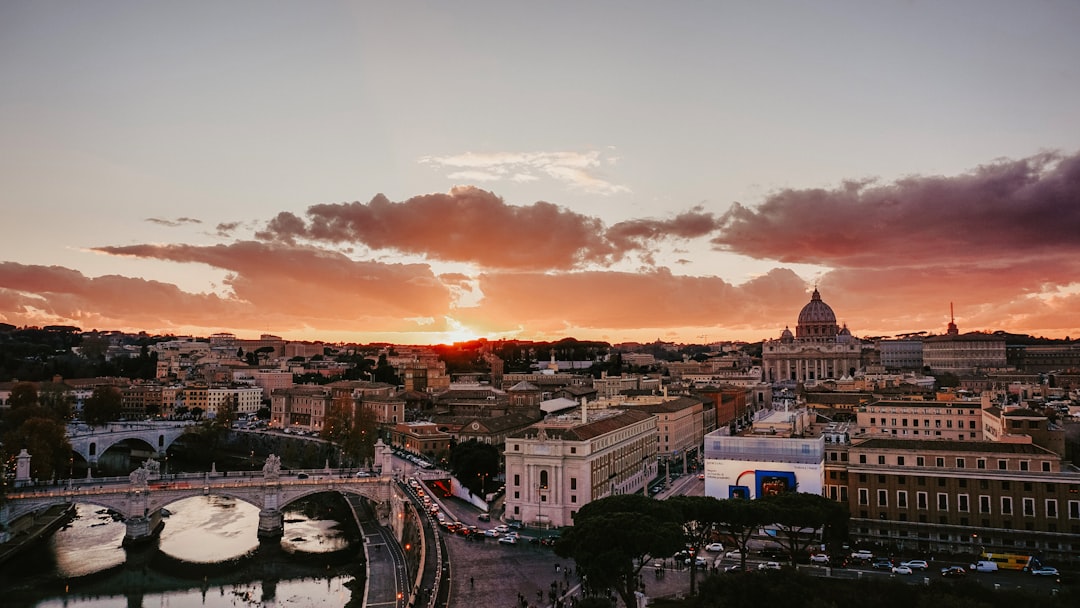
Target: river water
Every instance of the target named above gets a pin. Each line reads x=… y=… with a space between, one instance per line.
x=208 y=555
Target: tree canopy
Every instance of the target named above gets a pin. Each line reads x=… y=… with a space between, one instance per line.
x=612 y=538
x=475 y=464
x=103 y=406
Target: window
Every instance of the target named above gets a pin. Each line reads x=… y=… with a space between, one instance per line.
x=573 y=498
x=1003 y=465
x=862 y=458
x=1029 y=507
x=1074 y=509
x=882 y=498
x=900 y=460
x=1006 y=506
x=517 y=479
x=1024 y=465
x=573 y=450
x=980 y=463
x=1051 y=507
x=1046 y=466
x=920 y=499
x=881 y=460
x=984 y=504
x=959 y=463
x=920 y=461
x=962 y=503
x=543 y=480
x=901 y=499
x=864 y=496
x=573 y=483
x=517 y=494
x=939 y=462
x=942 y=501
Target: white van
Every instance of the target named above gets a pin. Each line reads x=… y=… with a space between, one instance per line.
x=984 y=566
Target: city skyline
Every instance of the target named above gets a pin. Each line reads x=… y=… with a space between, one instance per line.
x=420 y=174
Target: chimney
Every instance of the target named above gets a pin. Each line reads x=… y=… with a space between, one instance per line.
x=584 y=412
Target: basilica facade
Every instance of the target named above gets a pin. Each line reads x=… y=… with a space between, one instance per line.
x=818 y=350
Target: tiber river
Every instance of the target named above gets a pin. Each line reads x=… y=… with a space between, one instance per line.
x=208 y=555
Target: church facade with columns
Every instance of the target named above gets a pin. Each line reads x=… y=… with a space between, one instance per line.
x=818 y=350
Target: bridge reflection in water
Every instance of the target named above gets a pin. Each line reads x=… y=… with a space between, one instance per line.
x=85 y=566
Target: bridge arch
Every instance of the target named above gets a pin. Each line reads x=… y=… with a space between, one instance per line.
x=371 y=494
x=92 y=442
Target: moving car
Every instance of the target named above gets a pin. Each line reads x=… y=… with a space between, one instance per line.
x=953 y=571
x=733 y=554
x=484 y=517
x=502 y=528
x=1044 y=571
x=714 y=548
x=491 y=533
x=862 y=554
x=769 y=566
x=916 y=564
x=882 y=564
x=819 y=558
x=901 y=569
x=508 y=540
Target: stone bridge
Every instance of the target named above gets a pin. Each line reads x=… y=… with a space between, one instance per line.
x=140 y=497
x=92 y=441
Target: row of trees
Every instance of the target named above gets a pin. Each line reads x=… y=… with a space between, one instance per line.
x=613 y=538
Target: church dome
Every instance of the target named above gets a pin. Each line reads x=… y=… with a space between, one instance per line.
x=817 y=320
x=786 y=336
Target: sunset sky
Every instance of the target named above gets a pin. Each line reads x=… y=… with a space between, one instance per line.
x=424 y=172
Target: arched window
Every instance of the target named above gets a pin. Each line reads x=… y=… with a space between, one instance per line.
x=93 y=449
x=160 y=441
x=543 y=480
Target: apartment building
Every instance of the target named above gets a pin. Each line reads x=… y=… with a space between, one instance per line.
x=956 y=420
x=304 y=407
x=965 y=497
x=556 y=466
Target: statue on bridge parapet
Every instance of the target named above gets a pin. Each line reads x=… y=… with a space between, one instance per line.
x=272 y=468
x=153 y=467
x=140 y=477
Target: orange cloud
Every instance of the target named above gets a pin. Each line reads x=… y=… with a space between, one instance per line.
x=473 y=225
x=1027 y=208
x=312 y=283
x=618 y=301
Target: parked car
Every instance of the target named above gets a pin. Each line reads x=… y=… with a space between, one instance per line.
x=714 y=548
x=508 y=540
x=701 y=561
x=1044 y=571
x=901 y=569
x=769 y=566
x=882 y=564
x=916 y=564
x=863 y=554
x=953 y=571
x=733 y=554
x=819 y=558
